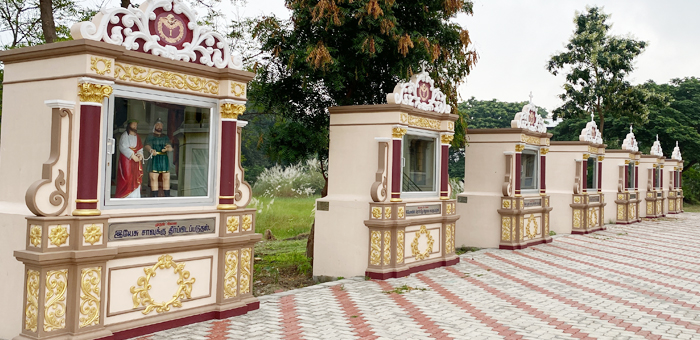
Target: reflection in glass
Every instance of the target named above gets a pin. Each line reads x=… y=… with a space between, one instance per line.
x=162 y=149
x=591 y=174
x=657 y=181
x=528 y=170
x=630 y=175
x=419 y=166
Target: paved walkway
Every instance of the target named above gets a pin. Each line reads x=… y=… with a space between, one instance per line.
x=629 y=282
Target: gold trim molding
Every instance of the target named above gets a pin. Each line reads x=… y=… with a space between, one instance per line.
x=140 y=292
x=422 y=122
x=90 y=296
x=231 y=110
x=171 y=80
x=93 y=93
x=231 y=274
x=31 y=310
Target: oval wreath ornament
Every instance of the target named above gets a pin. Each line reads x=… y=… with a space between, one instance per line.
x=142 y=297
x=414 y=245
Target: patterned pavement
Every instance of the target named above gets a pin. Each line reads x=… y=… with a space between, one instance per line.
x=637 y=281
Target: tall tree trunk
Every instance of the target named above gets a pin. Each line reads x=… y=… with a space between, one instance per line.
x=126 y=3
x=47 y=23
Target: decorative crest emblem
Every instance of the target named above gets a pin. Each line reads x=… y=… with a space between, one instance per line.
x=677 y=153
x=656 y=148
x=630 y=142
x=591 y=133
x=529 y=119
x=166 y=28
x=421 y=93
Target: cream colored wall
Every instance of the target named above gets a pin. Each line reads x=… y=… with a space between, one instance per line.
x=561 y=172
x=13 y=228
x=613 y=159
x=341 y=239
x=644 y=165
x=479 y=224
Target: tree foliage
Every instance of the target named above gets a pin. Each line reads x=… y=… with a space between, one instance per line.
x=596 y=65
x=491 y=114
x=341 y=52
x=21 y=21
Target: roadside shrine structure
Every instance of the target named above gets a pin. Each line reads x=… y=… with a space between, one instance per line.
x=388 y=212
x=139 y=220
x=674 y=173
x=651 y=176
x=621 y=186
x=578 y=202
x=505 y=193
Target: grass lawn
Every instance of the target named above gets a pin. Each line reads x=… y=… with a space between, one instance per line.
x=285 y=217
x=691 y=208
x=282 y=265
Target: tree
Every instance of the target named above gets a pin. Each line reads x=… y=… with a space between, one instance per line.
x=24 y=21
x=337 y=52
x=491 y=114
x=596 y=65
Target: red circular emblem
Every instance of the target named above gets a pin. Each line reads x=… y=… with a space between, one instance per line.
x=170 y=28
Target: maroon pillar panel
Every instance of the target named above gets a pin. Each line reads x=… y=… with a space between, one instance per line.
x=543 y=172
x=636 y=177
x=654 y=179
x=228 y=162
x=600 y=176
x=627 y=172
x=444 y=175
x=518 y=165
x=661 y=180
x=88 y=155
x=396 y=170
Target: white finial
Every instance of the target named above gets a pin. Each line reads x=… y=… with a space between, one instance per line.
x=423 y=65
x=657 y=137
x=592 y=118
x=630 y=128
x=676 y=143
x=530 y=97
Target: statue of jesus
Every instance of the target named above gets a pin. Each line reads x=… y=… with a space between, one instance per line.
x=158 y=145
x=130 y=171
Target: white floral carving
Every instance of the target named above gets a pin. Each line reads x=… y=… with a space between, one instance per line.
x=591 y=133
x=656 y=148
x=131 y=24
x=407 y=94
x=677 y=153
x=529 y=119
x=630 y=142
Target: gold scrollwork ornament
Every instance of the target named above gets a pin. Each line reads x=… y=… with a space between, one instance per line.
x=92 y=234
x=165 y=79
x=414 y=245
x=55 y=297
x=231 y=110
x=398 y=132
x=232 y=224
x=387 y=247
x=90 y=296
x=93 y=93
x=140 y=292
x=35 y=235
x=505 y=229
x=58 y=235
x=247 y=222
x=246 y=254
x=376 y=212
x=95 y=65
x=399 y=246
x=400 y=212
x=375 y=253
x=230 y=274
x=31 y=310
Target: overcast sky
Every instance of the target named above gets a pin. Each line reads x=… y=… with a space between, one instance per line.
x=515 y=38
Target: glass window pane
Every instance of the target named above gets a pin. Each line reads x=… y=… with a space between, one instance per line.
x=528 y=170
x=162 y=149
x=591 y=178
x=419 y=163
x=630 y=175
x=657 y=182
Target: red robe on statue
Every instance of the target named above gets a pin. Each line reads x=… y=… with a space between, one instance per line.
x=129 y=173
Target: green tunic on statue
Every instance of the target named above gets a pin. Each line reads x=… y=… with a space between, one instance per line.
x=159 y=161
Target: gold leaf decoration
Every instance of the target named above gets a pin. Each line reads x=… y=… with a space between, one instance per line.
x=398 y=132
x=165 y=79
x=140 y=292
x=231 y=110
x=31 y=309
x=546 y=224
x=92 y=234
x=247 y=222
x=238 y=89
x=90 y=296
x=246 y=254
x=506 y=228
x=35 y=235
x=387 y=213
x=577 y=218
x=620 y=212
x=506 y=204
x=399 y=246
x=446 y=139
x=531 y=227
x=414 y=245
x=633 y=212
x=519 y=147
x=376 y=212
x=400 y=213
x=387 y=247
x=449 y=241
x=93 y=93
x=375 y=254
x=232 y=224
x=230 y=274
x=58 y=235
x=95 y=65
x=424 y=122
x=55 y=297
x=530 y=139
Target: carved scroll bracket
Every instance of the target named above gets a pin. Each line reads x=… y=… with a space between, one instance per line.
x=379 y=187
x=507 y=187
x=578 y=176
x=243 y=191
x=49 y=195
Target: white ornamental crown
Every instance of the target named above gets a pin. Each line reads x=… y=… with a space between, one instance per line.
x=529 y=119
x=677 y=153
x=166 y=28
x=656 y=148
x=421 y=93
x=591 y=133
x=630 y=142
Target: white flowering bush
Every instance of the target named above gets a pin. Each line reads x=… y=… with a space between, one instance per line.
x=296 y=180
x=457 y=186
